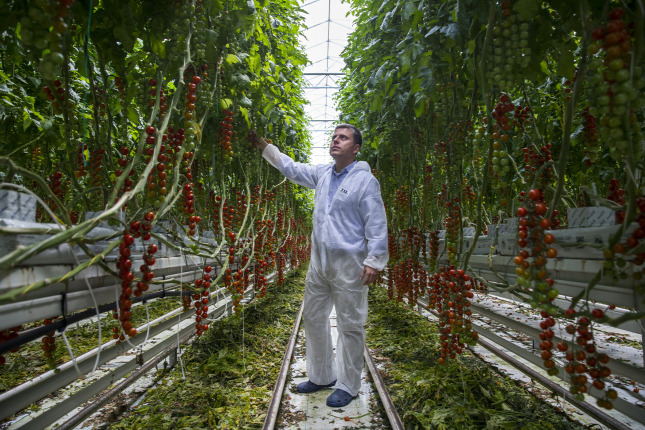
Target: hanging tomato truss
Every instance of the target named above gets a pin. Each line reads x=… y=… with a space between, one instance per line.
x=508 y=140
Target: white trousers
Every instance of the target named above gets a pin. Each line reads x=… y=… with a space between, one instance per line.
x=350 y=301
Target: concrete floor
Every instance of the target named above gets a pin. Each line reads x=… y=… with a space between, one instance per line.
x=309 y=411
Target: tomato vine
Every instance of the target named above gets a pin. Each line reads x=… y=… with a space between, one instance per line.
x=524 y=105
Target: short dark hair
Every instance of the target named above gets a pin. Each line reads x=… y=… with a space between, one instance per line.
x=358 y=137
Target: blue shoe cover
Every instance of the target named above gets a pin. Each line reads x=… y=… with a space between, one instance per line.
x=339 y=398
x=310 y=387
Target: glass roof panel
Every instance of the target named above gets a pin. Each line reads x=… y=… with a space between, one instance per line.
x=328 y=25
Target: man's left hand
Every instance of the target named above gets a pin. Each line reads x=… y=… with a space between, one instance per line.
x=369 y=275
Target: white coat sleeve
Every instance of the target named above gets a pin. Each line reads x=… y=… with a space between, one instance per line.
x=372 y=212
x=300 y=173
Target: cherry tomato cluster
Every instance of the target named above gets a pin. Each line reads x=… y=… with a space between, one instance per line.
x=510 y=122
x=96 y=162
x=241 y=210
x=536 y=243
x=152 y=96
x=189 y=201
x=590 y=134
x=57 y=187
x=282 y=263
x=42 y=29
x=81 y=170
x=6 y=335
x=58 y=99
x=404 y=282
x=638 y=234
x=511 y=51
x=468 y=192
x=228 y=218
x=191 y=97
x=156 y=180
x=501 y=111
x=120 y=87
x=124 y=264
x=546 y=342
x=259 y=280
x=402 y=205
x=616 y=257
x=434 y=251
x=279 y=223
x=36 y=160
x=240 y=281
x=584 y=358
x=193 y=220
x=175 y=141
x=390 y=280
x=535 y=160
x=617 y=194
x=612 y=87
x=225 y=134
x=201 y=298
x=100 y=100
x=453 y=230
x=406 y=273
x=566 y=88
x=428 y=176
x=450 y=291
x=49 y=344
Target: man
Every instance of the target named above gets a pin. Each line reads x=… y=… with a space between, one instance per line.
x=349 y=248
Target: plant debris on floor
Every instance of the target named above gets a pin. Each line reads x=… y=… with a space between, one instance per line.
x=465 y=393
x=229 y=373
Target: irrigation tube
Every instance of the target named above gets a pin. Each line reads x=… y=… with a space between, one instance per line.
x=37 y=332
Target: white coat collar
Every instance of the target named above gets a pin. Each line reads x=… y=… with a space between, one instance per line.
x=360 y=165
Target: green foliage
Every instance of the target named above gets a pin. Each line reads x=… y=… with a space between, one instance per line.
x=423 y=74
x=254 y=43
x=465 y=394
x=230 y=370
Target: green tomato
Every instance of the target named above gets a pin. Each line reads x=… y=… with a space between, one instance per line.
x=622 y=75
x=616 y=133
x=543 y=286
x=616 y=64
x=621 y=98
x=603 y=100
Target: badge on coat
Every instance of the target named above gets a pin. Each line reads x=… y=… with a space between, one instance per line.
x=344 y=191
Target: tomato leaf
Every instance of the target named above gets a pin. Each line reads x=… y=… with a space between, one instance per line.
x=254 y=63
x=245 y=113
x=123 y=36
x=231 y=59
x=566 y=66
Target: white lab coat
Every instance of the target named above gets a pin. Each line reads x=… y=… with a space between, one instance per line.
x=349 y=234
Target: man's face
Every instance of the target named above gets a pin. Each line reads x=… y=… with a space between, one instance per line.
x=342 y=144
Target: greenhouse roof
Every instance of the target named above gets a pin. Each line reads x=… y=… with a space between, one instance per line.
x=328 y=26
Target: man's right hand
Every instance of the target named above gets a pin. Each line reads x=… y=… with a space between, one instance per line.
x=259 y=142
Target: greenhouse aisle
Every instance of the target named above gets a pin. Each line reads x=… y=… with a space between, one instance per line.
x=309 y=412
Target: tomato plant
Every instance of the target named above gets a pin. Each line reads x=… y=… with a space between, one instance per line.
x=521 y=104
